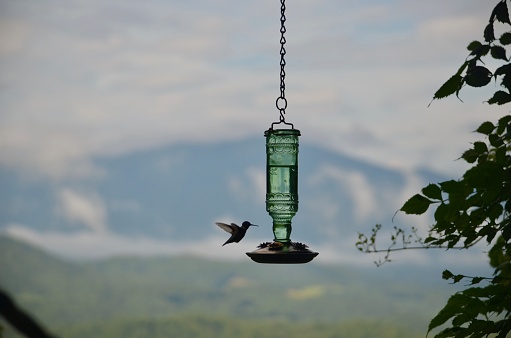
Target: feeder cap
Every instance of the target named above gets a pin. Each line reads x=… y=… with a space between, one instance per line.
x=282 y=132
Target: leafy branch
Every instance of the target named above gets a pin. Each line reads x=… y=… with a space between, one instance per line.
x=473 y=72
x=475 y=207
x=400 y=240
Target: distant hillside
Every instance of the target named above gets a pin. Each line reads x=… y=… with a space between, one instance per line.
x=222 y=327
x=131 y=290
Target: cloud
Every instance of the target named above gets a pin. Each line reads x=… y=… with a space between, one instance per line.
x=13 y=34
x=102 y=79
x=357 y=187
x=82 y=208
x=250 y=185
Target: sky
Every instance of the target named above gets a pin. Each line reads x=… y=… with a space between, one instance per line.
x=83 y=79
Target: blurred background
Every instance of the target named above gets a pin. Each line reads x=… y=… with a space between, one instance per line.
x=128 y=128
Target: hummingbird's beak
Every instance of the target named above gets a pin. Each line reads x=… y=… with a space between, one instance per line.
x=255 y=225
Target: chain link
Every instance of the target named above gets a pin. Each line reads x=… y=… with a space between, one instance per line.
x=281 y=102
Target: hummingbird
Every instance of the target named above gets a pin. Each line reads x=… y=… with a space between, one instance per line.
x=237 y=232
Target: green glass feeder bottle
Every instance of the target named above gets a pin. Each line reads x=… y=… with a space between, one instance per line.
x=282 y=180
x=282 y=199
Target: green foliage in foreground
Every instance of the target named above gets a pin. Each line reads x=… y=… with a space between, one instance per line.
x=475 y=208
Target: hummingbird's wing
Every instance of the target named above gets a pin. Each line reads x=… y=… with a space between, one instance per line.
x=229 y=228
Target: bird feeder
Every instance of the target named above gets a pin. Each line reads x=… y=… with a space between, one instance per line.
x=282 y=180
x=282 y=199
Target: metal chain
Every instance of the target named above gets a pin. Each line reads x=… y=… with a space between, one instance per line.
x=281 y=102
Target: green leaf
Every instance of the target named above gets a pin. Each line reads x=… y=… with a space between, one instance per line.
x=501 y=13
x=494 y=13
x=489 y=33
x=505 y=119
x=470 y=237
x=480 y=147
x=495 y=211
x=457 y=278
x=452 y=240
x=450 y=332
x=433 y=191
x=500 y=97
x=492 y=232
x=504 y=329
x=501 y=157
x=505 y=38
x=461 y=319
x=477 y=216
x=495 y=140
x=449 y=87
x=503 y=123
x=478 y=76
x=430 y=240
x=496 y=254
x=497 y=279
x=508 y=206
x=451 y=186
x=479 y=292
x=502 y=70
x=499 y=53
x=416 y=205
x=479 y=52
x=442 y=213
x=452 y=308
x=480 y=328
x=506 y=81
x=486 y=128
x=476 y=280
x=446 y=274
x=470 y=156
x=474 y=45
x=486 y=177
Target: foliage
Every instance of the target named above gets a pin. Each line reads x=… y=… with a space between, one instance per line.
x=475 y=207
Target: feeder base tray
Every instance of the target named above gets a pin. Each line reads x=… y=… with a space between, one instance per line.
x=286 y=255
